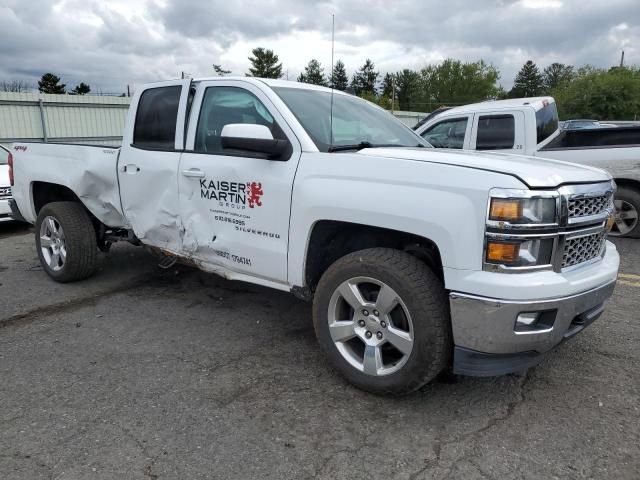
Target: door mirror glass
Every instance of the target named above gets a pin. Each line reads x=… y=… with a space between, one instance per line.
x=252 y=138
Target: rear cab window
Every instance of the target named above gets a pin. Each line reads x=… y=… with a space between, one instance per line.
x=546 y=121
x=156 y=118
x=495 y=132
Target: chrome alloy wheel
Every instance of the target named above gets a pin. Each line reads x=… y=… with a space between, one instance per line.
x=626 y=218
x=370 y=326
x=53 y=244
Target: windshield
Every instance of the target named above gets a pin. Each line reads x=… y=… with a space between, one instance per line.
x=355 y=121
x=4 y=156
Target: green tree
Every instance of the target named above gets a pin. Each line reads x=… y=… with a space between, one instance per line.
x=601 y=94
x=221 y=72
x=388 y=85
x=50 y=83
x=81 y=89
x=313 y=73
x=408 y=89
x=453 y=83
x=556 y=74
x=339 y=78
x=264 y=64
x=529 y=82
x=365 y=79
x=379 y=100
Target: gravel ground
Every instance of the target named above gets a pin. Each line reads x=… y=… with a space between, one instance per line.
x=150 y=374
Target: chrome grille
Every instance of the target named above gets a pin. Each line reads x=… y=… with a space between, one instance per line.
x=587 y=206
x=5 y=192
x=582 y=249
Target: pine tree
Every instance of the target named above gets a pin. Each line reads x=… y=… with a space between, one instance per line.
x=364 y=80
x=221 y=72
x=388 y=84
x=313 y=73
x=81 y=89
x=264 y=64
x=50 y=83
x=528 y=82
x=408 y=89
x=339 y=77
x=557 y=74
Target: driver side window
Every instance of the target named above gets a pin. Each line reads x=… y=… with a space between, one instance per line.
x=226 y=105
x=447 y=134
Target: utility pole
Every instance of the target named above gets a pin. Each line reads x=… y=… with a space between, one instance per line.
x=393 y=93
x=622 y=59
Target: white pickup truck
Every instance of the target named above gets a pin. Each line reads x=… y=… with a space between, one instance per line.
x=415 y=259
x=529 y=126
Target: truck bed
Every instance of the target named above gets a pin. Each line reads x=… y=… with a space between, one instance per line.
x=596 y=137
x=89 y=171
x=616 y=150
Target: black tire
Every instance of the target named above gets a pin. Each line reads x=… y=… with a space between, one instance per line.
x=632 y=197
x=426 y=300
x=80 y=240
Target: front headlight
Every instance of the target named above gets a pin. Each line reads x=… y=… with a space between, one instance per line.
x=518 y=211
x=519 y=253
x=521 y=229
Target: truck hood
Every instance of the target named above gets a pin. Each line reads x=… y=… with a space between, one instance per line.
x=532 y=171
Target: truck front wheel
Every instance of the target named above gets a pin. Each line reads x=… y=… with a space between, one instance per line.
x=627 y=221
x=382 y=318
x=66 y=241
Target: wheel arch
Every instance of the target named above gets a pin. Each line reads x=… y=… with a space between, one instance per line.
x=628 y=183
x=46 y=192
x=330 y=240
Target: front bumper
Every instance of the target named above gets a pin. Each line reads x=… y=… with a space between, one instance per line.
x=488 y=344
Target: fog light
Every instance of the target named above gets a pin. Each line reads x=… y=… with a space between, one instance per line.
x=535 y=322
x=527 y=319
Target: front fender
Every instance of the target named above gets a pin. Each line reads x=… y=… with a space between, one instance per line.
x=444 y=203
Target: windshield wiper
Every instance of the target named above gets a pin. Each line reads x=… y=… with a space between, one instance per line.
x=357 y=146
x=361 y=145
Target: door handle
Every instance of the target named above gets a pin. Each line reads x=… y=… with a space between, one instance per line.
x=193 y=173
x=131 y=169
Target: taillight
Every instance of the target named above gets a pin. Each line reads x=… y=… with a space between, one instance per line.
x=11 y=169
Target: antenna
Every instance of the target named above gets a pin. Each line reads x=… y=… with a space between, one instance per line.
x=333 y=30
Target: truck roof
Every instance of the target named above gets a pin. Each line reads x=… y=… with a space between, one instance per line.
x=272 y=82
x=537 y=103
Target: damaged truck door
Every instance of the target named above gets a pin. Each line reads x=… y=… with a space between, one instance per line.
x=148 y=164
x=235 y=179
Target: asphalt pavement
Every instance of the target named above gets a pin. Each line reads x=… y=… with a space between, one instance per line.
x=145 y=373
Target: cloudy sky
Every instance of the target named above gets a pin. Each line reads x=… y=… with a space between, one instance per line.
x=112 y=43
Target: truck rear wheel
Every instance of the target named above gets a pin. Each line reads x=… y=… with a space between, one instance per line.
x=66 y=241
x=627 y=223
x=382 y=318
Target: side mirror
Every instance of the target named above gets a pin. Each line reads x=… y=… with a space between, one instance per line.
x=253 y=138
